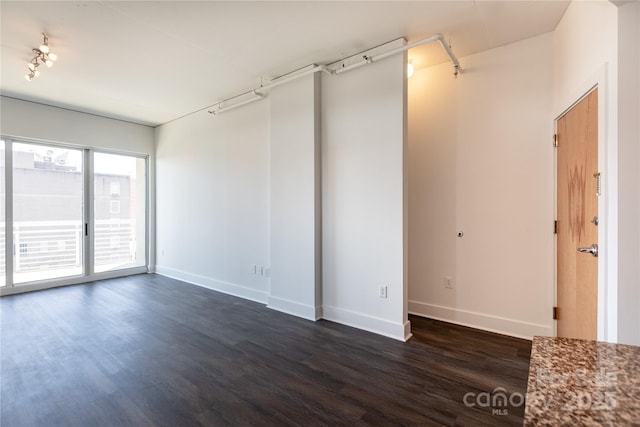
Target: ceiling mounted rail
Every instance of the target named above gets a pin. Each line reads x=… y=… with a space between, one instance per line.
x=294 y=76
x=457 y=69
x=221 y=108
x=257 y=93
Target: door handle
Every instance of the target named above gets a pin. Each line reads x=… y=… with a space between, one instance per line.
x=593 y=250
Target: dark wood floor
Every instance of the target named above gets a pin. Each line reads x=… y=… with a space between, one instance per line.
x=148 y=350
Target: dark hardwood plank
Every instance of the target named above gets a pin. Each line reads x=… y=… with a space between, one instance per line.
x=152 y=351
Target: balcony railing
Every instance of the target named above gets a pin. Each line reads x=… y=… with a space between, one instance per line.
x=57 y=245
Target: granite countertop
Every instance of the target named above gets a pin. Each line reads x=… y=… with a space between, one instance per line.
x=582 y=383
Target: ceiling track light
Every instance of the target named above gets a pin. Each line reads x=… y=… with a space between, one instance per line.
x=256 y=96
x=368 y=59
x=257 y=93
x=43 y=55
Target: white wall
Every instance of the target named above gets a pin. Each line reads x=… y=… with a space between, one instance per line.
x=245 y=188
x=583 y=42
x=481 y=161
x=433 y=122
x=213 y=199
x=24 y=119
x=629 y=173
x=363 y=148
x=296 y=263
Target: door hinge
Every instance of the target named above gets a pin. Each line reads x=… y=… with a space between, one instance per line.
x=555 y=140
x=555 y=227
x=555 y=313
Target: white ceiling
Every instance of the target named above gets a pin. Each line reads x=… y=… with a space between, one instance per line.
x=152 y=61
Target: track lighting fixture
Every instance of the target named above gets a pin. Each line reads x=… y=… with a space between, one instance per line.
x=332 y=69
x=43 y=55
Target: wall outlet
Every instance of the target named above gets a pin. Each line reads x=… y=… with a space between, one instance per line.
x=448 y=282
x=267 y=272
x=382 y=291
x=260 y=270
x=253 y=268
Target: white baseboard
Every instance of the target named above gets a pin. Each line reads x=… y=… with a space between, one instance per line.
x=295 y=308
x=407 y=330
x=500 y=325
x=398 y=331
x=216 y=285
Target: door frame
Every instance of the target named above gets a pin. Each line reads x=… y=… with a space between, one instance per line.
x=607 y=206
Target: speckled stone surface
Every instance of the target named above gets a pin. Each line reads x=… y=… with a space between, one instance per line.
x=582 y=383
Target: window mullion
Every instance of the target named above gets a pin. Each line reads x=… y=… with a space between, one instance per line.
x=88 y=213
x=8 y=213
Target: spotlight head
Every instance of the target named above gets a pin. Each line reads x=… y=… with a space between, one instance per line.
x=410 y=68
x=28 y=77
x=52 y=56
x=49 y=63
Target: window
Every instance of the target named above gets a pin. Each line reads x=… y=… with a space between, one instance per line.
x=3 y=225
x=61 y=232
x=114 y=188
x=48 y=210
x=114 y=206
x=120 y=242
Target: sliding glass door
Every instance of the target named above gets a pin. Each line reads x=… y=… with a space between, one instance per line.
x=119 y=212
x=48 y=198
x=69 y=215
x=3 y=225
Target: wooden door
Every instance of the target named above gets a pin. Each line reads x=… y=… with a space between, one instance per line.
x=577 y=206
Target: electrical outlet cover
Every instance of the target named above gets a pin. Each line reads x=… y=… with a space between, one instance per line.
x=382 y=291
x=448 y=282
